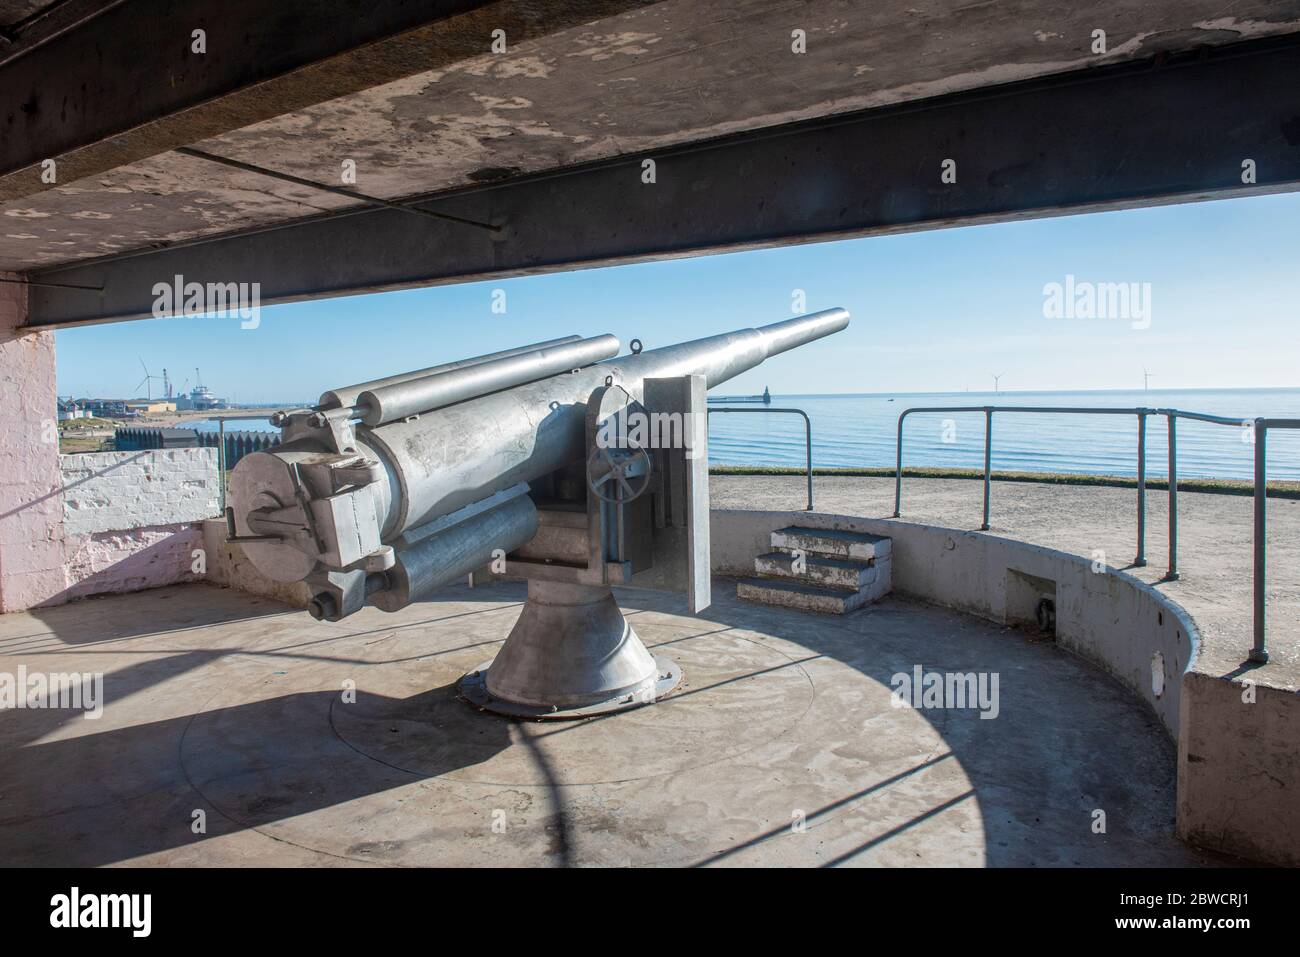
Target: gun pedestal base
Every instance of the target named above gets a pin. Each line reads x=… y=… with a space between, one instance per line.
x=571 y=654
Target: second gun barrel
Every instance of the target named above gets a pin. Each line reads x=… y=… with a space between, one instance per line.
x=404 y=399
x=347 y=395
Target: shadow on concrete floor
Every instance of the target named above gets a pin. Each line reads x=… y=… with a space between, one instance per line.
x=784 y=716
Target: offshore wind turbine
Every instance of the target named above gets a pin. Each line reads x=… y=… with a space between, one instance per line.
x=147 y=381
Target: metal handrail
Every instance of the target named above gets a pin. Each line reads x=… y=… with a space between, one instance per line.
x=221 y=448
x=1259 y=652
x=807 y=425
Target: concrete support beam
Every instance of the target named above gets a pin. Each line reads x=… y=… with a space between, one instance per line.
x=110 y=91
x=1130 y=135
x=31 y=506
x=41 y=23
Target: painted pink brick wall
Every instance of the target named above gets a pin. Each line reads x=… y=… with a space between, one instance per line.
x=31 y=510
x=41 y=561
x=132 y=560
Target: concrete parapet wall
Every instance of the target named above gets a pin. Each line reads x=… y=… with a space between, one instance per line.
x=116 y=491
x=1239 y=769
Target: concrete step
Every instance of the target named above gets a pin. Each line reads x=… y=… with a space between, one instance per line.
x=819 y=570
x=791 y=594
x=831 y=543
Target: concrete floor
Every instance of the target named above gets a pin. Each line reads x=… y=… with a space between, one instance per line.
x=231 y=705
x=1214 y=552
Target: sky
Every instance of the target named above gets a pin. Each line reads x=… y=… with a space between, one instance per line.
x=933 y=311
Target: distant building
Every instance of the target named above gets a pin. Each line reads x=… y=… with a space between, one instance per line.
x=69 y=409
x=140 y=406
x=106 y=408
x=178 y=438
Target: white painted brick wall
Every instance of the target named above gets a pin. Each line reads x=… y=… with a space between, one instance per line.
x=117 y=491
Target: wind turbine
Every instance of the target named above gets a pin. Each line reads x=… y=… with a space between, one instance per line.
x=147 y=381
x=1146 y=379
x=995 y=381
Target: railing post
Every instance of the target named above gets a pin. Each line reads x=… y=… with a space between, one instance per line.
x=988 y=463
x=1141 y=558
x=898 y=477
x=807 y=427
x=221 y=461
x=1172 y=416
x=1259 y=653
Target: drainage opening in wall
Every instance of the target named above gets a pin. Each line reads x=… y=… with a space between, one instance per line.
x=1031 y=603
x=1045 y=615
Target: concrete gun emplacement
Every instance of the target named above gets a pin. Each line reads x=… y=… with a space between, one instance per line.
x=559 y=462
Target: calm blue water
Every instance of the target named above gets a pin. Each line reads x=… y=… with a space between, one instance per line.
x=860 y=431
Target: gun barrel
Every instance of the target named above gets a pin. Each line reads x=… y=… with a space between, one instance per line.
x=348 y=395
x=402 y=399
x=792 y=333
x=459 y=454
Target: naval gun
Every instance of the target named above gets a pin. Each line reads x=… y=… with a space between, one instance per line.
x=559 y=462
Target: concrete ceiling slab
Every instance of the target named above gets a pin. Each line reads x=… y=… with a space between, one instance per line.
x=98 y=84
x=1190 y=127
x=673 y=72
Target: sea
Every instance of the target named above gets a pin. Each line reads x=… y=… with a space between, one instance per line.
x=860 y=431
